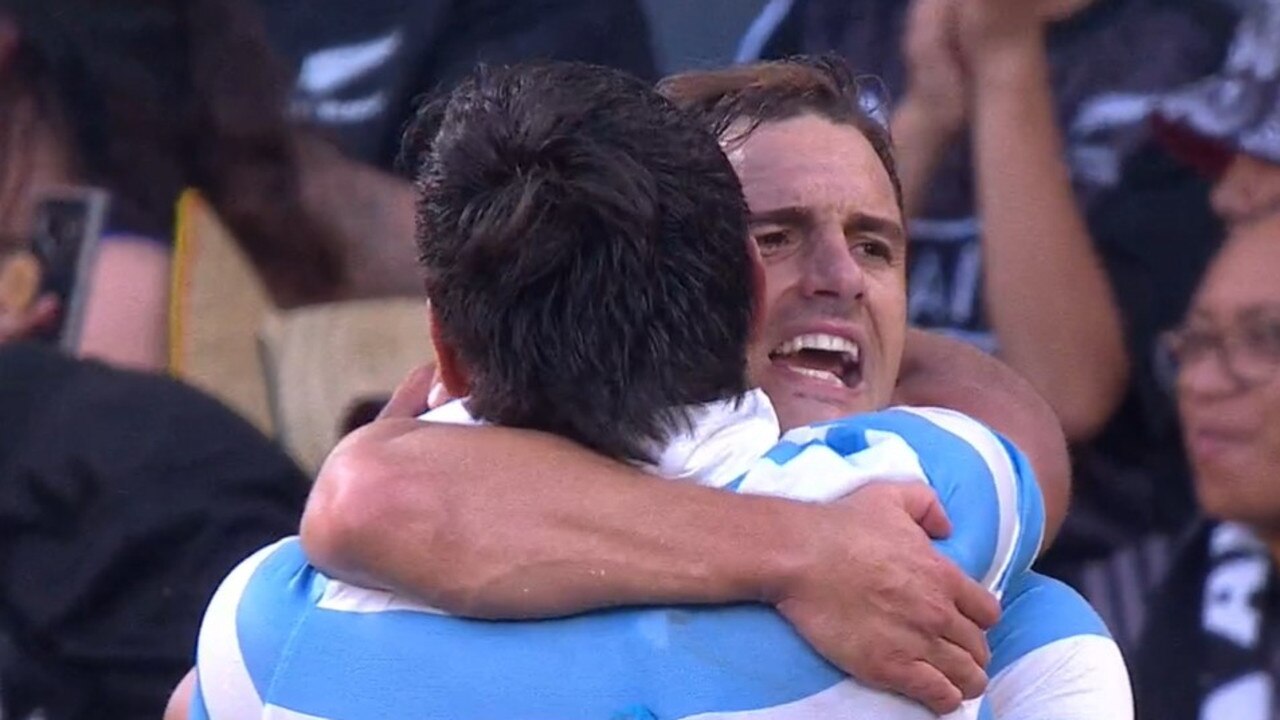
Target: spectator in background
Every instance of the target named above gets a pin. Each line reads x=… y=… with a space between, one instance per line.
x=1228 y=125
x=360 y=65
x=146 y=99
x=1222 y=126
x=1211 y=650
x=1050 y=226
x=124 y=499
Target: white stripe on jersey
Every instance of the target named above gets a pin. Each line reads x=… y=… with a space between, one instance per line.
x=228 y=691
x=1082 y=677
x=837 y=701
x=341 y=597
x=819 y=474
x=994 y=454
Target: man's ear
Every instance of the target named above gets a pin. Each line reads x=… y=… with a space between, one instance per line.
x=449 y=367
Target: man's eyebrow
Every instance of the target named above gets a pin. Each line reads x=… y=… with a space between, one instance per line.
x=857 y=224
x=876 y=225
x=790 y=215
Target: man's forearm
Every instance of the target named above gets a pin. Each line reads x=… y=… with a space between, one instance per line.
x=943 y=372
x=539 y=528
x=1050 y=301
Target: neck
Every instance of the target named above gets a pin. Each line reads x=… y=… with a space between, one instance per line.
x=35 y=159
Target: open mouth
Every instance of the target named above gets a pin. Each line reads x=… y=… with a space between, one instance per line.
x=831 y=359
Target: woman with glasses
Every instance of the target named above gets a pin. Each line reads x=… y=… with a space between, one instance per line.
x=1211 y=650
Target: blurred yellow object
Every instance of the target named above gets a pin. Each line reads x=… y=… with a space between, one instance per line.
x=217 y=306
x=324 y=360
x=19 y=280
x=295 y=374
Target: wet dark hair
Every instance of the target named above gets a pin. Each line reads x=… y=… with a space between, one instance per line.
x=585 y=249
x=154 y=96
x=734 y=101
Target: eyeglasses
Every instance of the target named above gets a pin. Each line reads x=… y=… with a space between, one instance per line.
x=1249 y=349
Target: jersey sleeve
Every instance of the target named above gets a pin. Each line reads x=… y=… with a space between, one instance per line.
x=985 y=484
x=244 y=635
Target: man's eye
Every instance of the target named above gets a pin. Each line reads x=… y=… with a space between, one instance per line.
x=772 y=240
x=873 y=249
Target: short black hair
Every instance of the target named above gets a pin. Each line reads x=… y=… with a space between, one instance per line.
x=585 y=249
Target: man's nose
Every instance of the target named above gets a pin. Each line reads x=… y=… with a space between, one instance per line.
x=830 y=269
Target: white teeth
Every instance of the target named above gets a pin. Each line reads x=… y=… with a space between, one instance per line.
x=819 y=341
x=819 y=375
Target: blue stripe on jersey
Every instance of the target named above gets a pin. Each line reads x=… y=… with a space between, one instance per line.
x=1039 y=610
x=282 y=591
x=676 y=661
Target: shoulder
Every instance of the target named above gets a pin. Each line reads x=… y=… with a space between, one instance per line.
x=950 y=447
x=246 y=629
x=928 y=430
x=1053 y=658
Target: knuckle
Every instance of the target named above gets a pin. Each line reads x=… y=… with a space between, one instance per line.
x=940 y=696
x=974 y=686
x=934 y=618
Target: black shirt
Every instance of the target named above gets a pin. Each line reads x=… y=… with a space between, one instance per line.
x=124 y=500
x=361 y=65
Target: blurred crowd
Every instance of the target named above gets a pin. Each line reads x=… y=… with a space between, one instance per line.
x=1092 y=190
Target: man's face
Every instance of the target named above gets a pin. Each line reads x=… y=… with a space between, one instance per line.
x=1229 y=395
x=824 y=216
x=1248 y=191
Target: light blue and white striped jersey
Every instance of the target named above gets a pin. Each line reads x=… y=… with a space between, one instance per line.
x=280 y=640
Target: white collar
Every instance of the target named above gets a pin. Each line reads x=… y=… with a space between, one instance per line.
x=724 y=439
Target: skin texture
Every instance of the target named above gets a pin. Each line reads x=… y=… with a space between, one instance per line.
x=1232 y=429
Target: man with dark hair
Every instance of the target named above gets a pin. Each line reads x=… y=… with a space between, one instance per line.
x=524 y=227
